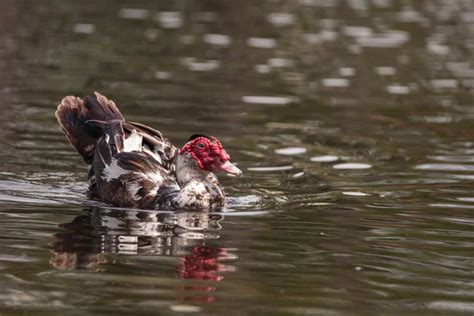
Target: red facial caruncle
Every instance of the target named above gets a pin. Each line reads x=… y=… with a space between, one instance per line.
x=209 y=154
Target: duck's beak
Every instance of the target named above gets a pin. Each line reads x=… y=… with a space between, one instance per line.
x=229 y=168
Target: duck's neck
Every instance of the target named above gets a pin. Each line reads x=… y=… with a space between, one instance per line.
x=199 y=189
x=187 y=170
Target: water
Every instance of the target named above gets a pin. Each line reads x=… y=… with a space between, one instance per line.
x=352 y=121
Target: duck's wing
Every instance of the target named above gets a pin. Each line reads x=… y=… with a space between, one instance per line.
x=127 y=174
x=153 y=141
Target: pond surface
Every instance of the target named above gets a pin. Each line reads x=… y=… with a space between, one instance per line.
x=352 y=121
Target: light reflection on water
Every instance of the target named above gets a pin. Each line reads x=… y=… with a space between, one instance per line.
x=352 y=121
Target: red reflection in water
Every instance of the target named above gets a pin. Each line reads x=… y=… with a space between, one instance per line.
x=201 y=264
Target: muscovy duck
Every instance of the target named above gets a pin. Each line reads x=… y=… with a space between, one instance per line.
x=133 y=165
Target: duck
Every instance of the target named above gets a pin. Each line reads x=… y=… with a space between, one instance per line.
x=133 y=165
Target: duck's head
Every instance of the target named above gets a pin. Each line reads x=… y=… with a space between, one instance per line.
x=209 y=154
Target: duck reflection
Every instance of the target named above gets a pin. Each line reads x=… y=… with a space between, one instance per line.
x=89 y=238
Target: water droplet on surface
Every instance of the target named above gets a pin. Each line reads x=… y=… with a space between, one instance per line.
x=347 y=71
x=358 y=5
x=352 y=165
x=263 y=68
x=410 y=16
x=325 y=158
x=83 y=28
x=281 y=19
x=162 y=75
x=385 y=71
x=323 y=36
x=445 y=167
x=268 y=100
x=280 y=62
x=355 y=193
x=438 y=119
x=460 y=69
x=444 y=84
x=208 y=65
x=358 y=31
x=335 y=82
x=134 y=14
x=437 y=48
x=170 y=19
x=289 y=151
x=389 y=39
x=217 y=39
x=398 y=89
x=260 y=42
x=185 y=308
x=17 y=258
x=327 y=35
x=298 y=175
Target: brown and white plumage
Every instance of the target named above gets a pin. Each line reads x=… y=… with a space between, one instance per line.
x=133 y=165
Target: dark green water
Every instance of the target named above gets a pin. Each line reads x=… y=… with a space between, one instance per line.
x=352 y=121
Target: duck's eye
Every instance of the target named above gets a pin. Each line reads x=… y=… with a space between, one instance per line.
x=200 y=145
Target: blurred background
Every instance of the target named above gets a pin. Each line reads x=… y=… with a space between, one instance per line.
x=351 y=119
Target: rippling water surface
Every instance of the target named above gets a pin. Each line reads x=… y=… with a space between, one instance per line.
x=352 y=121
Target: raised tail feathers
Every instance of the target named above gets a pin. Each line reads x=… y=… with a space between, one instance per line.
x=79 y=120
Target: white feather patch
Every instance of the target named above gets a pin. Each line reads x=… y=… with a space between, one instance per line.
x=114 y=171
x=133 y=142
